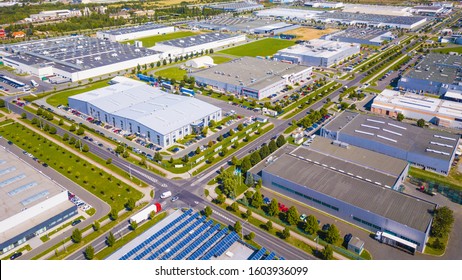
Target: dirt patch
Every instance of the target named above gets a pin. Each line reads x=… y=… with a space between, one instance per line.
x=306 y=33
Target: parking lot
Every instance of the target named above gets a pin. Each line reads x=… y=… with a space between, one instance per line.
x=42 y=86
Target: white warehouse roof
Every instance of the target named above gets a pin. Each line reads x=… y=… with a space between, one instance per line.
x=318 y=48
x=150 y=106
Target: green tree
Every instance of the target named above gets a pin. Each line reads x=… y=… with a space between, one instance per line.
x=157 y=157
x=234 y=206
x=133 y=225
x=72 y=141
x=53 y=130
x=272 y=146
x=130 y=205
x=96 y=226
x=85 y=148
x=198 y=150
x=257 y=199
x=109 y=161
x=72 y=128
x=269 y=225
x=246 y=165
x=185 y=159
x=311 y=225
x=332 y=234
x=400 y=117
x=24 y=116
x=113 y=215
x=442 y=222
x=80 y=131
x=237 y=227
x=255 y=158
x=212 y=123
x=327 y=253
x=76 y=236
x=89 y=252
x=437 y=244
x=292 y=216
x=273 y=208
x=250 y=236
x=249 y=181
x=264 y=151
x=421 y=123
x=285 y=233
x=234 y=161
x=208 y=211
x=280 y=141
x=248 y=213
x=240 y=127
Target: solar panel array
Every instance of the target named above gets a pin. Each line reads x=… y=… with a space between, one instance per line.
x=208 y=244
x=258 y=254
x=221 y=247
x=270 y=256
x=197 y=242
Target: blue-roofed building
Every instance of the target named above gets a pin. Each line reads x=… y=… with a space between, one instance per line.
x=187 y=235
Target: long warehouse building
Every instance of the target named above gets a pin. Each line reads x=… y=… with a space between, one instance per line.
x=428 y=149
x=134 y=32
x=348 y=191
x=31 y=203
x=252 y=77
x=162 y=118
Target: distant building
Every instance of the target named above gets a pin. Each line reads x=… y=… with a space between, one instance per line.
x=134 y=32
x=18 y=34
x=236 y=7
x=437 y=111
x=56 y=14
x=200 y=62
x=367 y=36
x=429 y=10
x=2 y=33
x=244 y=24
x=326 y=5
x=356 y=245
x=318 y=52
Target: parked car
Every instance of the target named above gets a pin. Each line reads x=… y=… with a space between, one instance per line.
x=347 y=238
x=325 y=227
x=16 y=255
x=76 y=222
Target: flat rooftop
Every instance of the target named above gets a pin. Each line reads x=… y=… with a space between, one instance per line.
x=134 y=29
x=443 y=68
x=249 y=72
x=396 y=134
x=420 y=103
x=359 y=33
x=372 y=18
x=377 y=9
x=318 y=48
x=246 y=24
x=150 y=106
x=197 y=40
x=387 y=203
x=288 y=13
x=73 y=53
x=236 y=6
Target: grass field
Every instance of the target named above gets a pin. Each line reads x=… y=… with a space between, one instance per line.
x=453 y=180
x=172 y=73
x=306 y=33
x=448 y=50
x=61 y=97
x=220 y=59
x=151 y=41
x=263 y=47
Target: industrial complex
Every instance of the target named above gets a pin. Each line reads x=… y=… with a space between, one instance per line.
x=367 y=36
x=318 y=52
x=429 y=149
x=437 y=111
x=31 y=202
x=189 y=236
x=244 y=24
x=134 y=32
x=74 y=58
x=236 y=7
x=352 y=184
x=252 y=77
x=160 y=117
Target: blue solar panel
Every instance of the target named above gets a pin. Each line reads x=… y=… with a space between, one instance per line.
x=270 y=256
x=155 y=235
x=165 y=237
x=198 y=241
x=187 y=240
x=258 y=254
x=209 y=243
x=221 y=247
x=281 y=258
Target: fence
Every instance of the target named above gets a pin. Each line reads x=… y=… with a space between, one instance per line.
x=452 y=194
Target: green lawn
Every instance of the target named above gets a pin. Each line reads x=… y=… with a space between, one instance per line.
x=453 y=180
x=220 y=59
x=151 y=41
x=263 y=47
x=60 y=98
x=96 y=181
x=448 y=50
x=172 y=73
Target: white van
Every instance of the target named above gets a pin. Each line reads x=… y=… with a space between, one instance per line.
x=166 y=194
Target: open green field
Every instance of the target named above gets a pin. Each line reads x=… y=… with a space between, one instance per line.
x=448 y=50
x=96 y=181
x=221 y=59
x=453 y=180
x=60 y=98
x=172 y=73
x=151 y=41
x=265 y=47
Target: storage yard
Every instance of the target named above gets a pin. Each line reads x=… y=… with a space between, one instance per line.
x=306 y=33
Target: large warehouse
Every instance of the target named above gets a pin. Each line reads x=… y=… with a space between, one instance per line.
x=367 y=36
x=252 y=77
x=292 y=14
x=197 y=43
x=74 y=58
x=236 y=7
x=162 y=118
x=30 y=202
x=437 y=111
x=244 y=24
x=436 y=74
x=429 y=149
x=187 y=235
x=134 y=32
x=387 y=21
x=322 y=181
x=318 y=52
x=377 y=9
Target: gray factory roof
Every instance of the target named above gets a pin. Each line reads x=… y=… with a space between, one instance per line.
x=249 y=72
x=133 y=29
x=359 y=33
x=237 y=6
x=406 y=137
x=246 y=24
x=73 y=53
x=371 y=18
x=196 y=40
x=387 y=203
x=318 y=48
x=156 y=109
x=436 y=67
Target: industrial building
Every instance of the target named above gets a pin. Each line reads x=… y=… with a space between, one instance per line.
x=31 y=202
x=318 y=52
x=187 y=235
x=200 y=62
x=428 y=149
x=159 y=117
x=249 y=25
x=377 y=9
x=74 y=58
x=252 y=77
x=349 y=184
x=325 y=5
x=430 y=10
x=366 y=36
x=286 y=13
x=236 y=7
x=197 y=43
x=52 y=15
x=437 y=111
x=436 y=73
x=134 y=32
